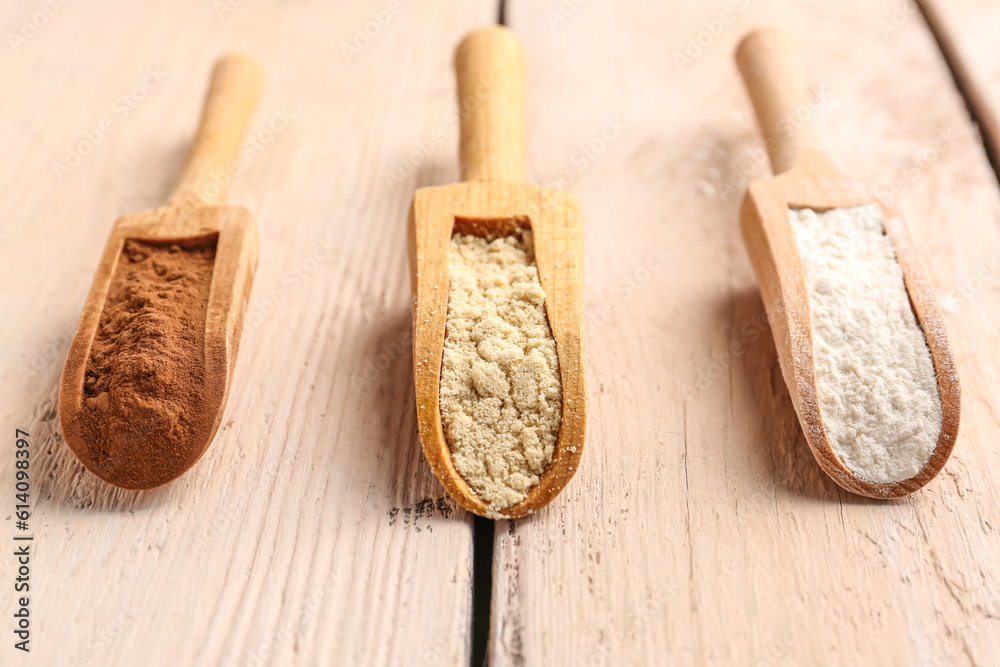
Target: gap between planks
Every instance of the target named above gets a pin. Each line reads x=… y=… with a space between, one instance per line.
x=973 y=97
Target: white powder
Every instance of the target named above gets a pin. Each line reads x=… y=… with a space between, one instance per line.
x=878 y=391
x=501 y=397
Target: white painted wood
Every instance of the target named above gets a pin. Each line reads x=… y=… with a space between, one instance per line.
x=966 y=29
x=700 y=530
x=312 y=532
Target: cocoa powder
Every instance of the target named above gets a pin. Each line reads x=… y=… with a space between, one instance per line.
x=145 y=377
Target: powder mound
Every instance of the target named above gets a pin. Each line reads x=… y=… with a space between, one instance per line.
x=501 y=396
x=878 y=390
x=144 y=383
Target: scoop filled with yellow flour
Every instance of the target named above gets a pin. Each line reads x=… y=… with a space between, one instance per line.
x=500 y=395
x=878 y=390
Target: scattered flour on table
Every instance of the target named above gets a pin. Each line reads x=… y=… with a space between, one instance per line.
x=501 y=396
x=878 y=391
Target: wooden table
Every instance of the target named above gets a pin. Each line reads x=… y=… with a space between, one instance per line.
x=699 y=529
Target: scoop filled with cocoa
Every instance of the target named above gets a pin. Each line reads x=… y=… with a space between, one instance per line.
x=148 y=373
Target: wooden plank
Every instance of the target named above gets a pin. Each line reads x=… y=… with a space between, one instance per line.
x=312 y=532
x=700 y=530
x=966 y=32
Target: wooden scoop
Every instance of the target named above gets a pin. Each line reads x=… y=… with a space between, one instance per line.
x=806 y=178
x=492 y=201
x=195 y=215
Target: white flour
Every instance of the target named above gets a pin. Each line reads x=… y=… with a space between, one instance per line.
x=878 y=390
x=501 y=396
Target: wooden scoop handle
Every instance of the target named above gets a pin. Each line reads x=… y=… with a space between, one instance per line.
x=232 y=95
x=774 y=79
x=490 y=67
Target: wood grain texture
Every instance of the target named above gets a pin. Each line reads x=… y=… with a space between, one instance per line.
x=494 y=202
x=312 y=532
x=966 y=31
x=699 y=529
x=805 y=177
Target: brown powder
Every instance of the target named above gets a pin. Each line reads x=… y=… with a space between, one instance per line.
x=145 y=378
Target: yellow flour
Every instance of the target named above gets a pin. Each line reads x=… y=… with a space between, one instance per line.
x=501 y=398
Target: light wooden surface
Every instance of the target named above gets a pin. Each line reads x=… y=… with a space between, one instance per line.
x=804 y=176
x=494 y=200
x=699 y=526
x=699 y=529
x=967 y=34
x=311 y=532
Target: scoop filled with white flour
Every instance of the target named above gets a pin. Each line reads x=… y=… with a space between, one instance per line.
x=877 y=385
x=500 y=395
